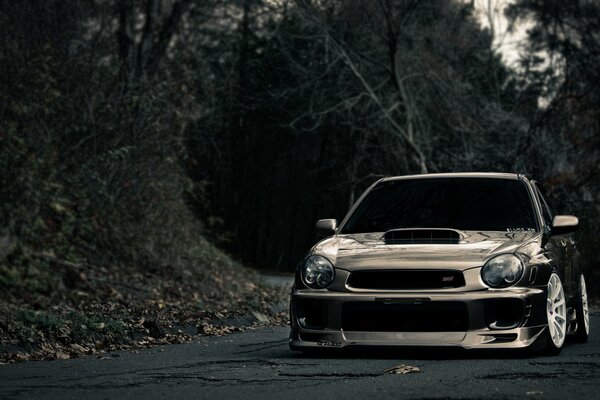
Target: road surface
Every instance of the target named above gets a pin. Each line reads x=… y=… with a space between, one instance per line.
x=259 y=365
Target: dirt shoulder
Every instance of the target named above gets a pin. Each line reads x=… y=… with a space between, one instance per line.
x=93 y=310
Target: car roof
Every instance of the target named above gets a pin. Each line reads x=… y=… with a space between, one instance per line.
x=493 y=175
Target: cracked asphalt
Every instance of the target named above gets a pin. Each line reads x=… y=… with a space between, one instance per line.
x=259 y=364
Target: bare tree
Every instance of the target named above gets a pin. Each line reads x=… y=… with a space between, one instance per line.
x=143 y=46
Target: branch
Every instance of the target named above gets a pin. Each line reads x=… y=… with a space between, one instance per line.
x=146 y=44
x=166 y=33
x=125 y=38
x=378 y=102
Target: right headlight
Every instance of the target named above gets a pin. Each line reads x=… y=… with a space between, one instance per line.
x=317 y=272
x=502 y=271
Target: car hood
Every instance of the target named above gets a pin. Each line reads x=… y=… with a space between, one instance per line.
x=369 y=251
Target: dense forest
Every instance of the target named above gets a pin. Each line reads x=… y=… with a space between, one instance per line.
x=165 y=136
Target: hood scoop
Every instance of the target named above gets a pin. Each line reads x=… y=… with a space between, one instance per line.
x=422 y=236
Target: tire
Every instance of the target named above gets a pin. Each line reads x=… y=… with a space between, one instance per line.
x=582 y=312
x=556 y=312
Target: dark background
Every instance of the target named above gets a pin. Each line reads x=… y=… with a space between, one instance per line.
x=131 y=131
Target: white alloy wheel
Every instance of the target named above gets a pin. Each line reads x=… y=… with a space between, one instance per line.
x=584 y=305
x=557 y=311
x=582 y=313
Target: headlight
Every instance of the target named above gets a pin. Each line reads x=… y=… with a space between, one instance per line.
x=317 y=272
x=502 y=271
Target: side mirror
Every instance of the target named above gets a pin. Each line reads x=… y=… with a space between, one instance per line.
x=563 y=224
x=326 y=227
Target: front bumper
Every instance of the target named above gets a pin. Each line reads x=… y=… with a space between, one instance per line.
x=482 y=319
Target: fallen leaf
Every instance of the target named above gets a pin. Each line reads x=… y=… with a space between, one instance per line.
x=402 y=369
x=534 y=392
x=260 y=316
x=79 y=348
x=61 y=356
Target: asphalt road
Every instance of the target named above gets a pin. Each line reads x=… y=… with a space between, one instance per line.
x=259 y=365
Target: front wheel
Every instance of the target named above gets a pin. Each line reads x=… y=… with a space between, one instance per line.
x=556 y=311
x=582 y=312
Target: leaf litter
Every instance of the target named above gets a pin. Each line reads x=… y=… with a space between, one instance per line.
x=127 y=309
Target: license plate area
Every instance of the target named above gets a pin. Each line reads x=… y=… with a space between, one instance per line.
x=405 y=315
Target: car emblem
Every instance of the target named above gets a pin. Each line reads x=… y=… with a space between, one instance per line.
x=447 y=278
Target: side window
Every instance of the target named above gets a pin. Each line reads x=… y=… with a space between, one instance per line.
x=546 y=208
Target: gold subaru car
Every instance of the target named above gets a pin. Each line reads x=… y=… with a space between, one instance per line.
x=473 y=260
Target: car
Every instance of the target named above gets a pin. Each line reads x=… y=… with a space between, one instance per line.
x=472 y=260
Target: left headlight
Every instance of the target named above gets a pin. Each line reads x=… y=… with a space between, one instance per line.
x=502 y=271
x=317 y=272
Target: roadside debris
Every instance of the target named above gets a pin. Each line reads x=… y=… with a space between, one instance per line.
x=534 y=393
x=403 y=369
x=125 y=309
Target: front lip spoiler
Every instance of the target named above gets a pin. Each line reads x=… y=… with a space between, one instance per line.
x=418 y=295
x=482 y=339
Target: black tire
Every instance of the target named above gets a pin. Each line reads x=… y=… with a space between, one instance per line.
x=543 y=346
x=549 y=348
x=583 y=330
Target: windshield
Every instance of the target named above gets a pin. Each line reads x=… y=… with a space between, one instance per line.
x=481 y=204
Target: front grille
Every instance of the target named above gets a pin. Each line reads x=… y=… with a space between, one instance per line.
x=406 y=279
x=435 y=316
